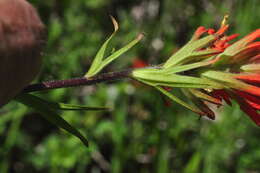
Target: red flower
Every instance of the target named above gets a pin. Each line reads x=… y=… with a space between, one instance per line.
x=249 y=98
x=242 y=54
x=211 y=68
x=245 y=53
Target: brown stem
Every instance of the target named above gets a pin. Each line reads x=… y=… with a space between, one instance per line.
x=74 y=82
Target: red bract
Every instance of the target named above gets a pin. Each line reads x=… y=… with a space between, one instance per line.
x=223 y=95
x=249 y=98
x=253 y=101
x=249 y=78
x=220 y=43
x=250 y=104
x=138 y=63
x=248 y=108
x=199 y=32
x=244 y=52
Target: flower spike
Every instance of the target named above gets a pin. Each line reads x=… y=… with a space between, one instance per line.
x=211 y=68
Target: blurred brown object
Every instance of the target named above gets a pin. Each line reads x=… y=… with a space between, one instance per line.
x=22 y=36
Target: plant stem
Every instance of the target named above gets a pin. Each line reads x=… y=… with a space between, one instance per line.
x=74 y=82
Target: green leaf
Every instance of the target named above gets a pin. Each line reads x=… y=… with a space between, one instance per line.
x=226 y=79
x=179 y=101
x=176 y=99
x=176 y=85
x=203 y=53
x=69 y=107
x=44 y=108
x=187 y=50
x=99 y=62
x=199 y=104
x=205 y=96
x=119 y=52
x=100 y=55
x=172 y=79
x=251 y=68
x=182 y=68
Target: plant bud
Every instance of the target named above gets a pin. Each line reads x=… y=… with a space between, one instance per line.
x=22 y=36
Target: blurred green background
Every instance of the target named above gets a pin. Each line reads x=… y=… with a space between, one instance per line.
x=141 y=134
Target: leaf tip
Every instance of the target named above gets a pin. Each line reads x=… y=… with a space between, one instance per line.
x=140 y=36
x=115 y=24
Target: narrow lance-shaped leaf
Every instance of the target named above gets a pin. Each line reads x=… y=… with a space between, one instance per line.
x=173 y=79
x=226 y=79
x=99 y=62
x=200 y=104
x=182 y=68
x=174 y=98
x=251 y=68
x=119 y=52
x=100 y=55
x=173 y=85
x=187 y=50
x=179 y=101
x=205 y=96
x=116 y=54
x=50 y=114
x=70 y=107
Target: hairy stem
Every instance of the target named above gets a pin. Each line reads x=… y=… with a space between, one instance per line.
x=74 y=82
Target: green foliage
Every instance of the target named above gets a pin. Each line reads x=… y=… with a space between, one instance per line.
x=141 y=134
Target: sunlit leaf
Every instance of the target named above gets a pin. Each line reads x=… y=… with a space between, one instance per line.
x=182 y=68
x=99 y=62
x=119 y=52
x=100 y=55
x=172 y=79
x=226 y=79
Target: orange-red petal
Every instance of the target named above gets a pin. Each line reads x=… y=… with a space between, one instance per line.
x=253 y=35
x=211 y=31
x=252 y=90
x=248 y=109
x=200 y=30
x=231 y=37
x=222 y=30
x=251 y=100
x=249 y=51
x=250 y=78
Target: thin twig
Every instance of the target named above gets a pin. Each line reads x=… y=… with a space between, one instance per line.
x=74 y=82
